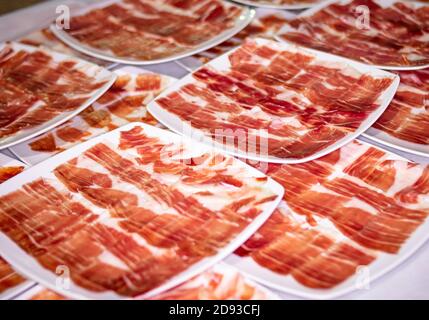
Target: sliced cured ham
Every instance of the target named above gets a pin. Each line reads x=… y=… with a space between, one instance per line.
x=289 y=246
x=393 y=35
x=407 y=117
x=39 y=86
x=153 y=29
x=266 y=25
x=340 y=212
x=127 y=216
x=275 y=101
x=361 y=196
x=8 y=172
x=44 y=38
x=123 y=103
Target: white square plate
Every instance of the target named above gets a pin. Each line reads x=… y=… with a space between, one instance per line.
x=222 y=63
x=29 y=266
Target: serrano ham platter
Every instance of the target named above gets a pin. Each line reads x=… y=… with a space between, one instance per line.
x=123 y=103
x=275 y=102
x=131 y=213
x=347 y=218
x=285 y=168
x=153 y=31
x=405 y=123
x=389 y=34
x=42 y=89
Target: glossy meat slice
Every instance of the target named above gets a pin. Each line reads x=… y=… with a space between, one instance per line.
x=265 y=26
x=44 y=38
x=353 y=197
x=8 y=172
x=217 y=283
x=8 y=277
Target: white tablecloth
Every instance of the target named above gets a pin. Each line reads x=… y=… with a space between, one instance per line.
x=408 y=281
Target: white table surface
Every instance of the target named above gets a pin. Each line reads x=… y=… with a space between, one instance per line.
x=409 y=281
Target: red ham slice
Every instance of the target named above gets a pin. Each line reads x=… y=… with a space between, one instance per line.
x=218 y=283
x=8 y=277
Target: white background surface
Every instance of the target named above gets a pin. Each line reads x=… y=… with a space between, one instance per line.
x=408 y=281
